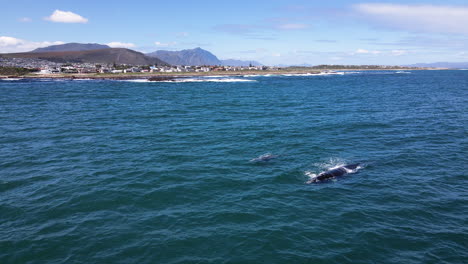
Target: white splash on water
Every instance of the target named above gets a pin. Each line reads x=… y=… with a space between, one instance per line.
x=11 y=79
x=189 y=80
x=227 y=80
x=258 y=75
x=136 y=80
x=331 y=164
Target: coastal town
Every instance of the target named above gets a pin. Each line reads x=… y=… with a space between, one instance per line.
x=45 y=68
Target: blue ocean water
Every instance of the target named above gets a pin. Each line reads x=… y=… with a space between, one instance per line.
x=146 y=172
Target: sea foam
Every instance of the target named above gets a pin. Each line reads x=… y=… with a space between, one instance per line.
x=188 y=80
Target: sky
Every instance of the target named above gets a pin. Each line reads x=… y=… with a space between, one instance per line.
x=273 y=32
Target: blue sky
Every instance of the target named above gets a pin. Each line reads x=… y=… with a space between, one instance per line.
x=272 y=32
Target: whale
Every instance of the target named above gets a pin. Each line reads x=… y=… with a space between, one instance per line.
x=264 y=158
x=335 y=172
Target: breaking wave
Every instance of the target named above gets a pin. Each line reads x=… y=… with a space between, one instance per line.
x=212 y=80
x=11 y=79
x=188 y=80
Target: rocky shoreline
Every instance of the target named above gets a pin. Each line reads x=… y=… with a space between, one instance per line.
x=170 y=77
x=149 y=77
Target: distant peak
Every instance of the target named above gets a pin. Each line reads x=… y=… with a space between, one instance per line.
x=73 y=46
x=196 y=56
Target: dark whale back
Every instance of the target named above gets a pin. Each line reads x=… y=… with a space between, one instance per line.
x=352 y=166
x=340 y=171
x=264 y=157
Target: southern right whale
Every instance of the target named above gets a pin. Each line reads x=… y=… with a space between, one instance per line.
x=335 y=172
x=264 y=158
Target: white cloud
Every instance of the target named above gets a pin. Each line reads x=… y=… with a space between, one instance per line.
x=60 y=16
x=9 y=41
x=368 y=53
x=25 y=19
x=10 y=44
x=276 y=54
x=364 y=51
x=168 y=44
x=399 y=52
x=292 y=26
x=117 y=44
x=417 y=18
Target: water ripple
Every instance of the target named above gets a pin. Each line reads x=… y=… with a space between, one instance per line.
x=109 y=172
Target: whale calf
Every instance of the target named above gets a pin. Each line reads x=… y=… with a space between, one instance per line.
x=264 y=157
x=335 y=172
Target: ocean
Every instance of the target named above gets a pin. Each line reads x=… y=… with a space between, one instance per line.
x=105 y=171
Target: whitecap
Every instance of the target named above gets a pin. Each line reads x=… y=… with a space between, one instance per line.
x=209 y=80
x=188 y=80
x=312 y=74
x=302 y=74
x=331 y=73
x=11 y=79
x=258 y=75
x=353 y=72
x=135 y=80
x=214 y=76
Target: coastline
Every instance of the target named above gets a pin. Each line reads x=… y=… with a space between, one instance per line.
x=172 y=76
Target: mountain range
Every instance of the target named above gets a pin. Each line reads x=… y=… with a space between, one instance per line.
x=191 y=57
x=195 y=57
x=105 y=56
x=72 y=47
x=98 y=53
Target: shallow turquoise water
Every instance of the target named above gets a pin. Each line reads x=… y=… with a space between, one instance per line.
x=134 y=172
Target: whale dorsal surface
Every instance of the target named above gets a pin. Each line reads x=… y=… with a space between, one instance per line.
x=335 y=172
x=264 y=157
x=352 y=166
